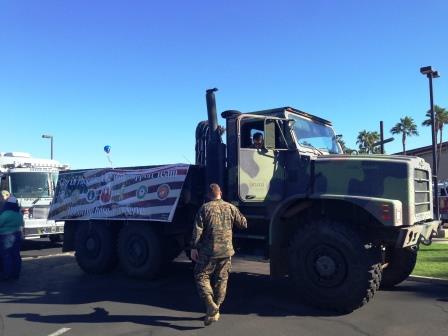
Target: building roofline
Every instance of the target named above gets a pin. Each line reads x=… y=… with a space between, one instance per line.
x=422 y=150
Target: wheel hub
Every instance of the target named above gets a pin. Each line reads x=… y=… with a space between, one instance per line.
x=325 y=266
x=90 y=244
x=137 y=251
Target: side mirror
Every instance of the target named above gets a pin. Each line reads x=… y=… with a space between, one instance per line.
x=269 y=133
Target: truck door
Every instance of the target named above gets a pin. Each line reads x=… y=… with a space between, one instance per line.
x=260 y=173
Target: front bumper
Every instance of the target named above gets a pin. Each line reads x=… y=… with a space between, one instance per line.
x=42 y=228
x=412 y=235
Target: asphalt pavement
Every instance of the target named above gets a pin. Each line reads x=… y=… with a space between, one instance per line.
x=54 y=297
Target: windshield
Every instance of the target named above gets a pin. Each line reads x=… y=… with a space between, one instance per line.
x=30 y=184
x=53 y=181
x=314 y=135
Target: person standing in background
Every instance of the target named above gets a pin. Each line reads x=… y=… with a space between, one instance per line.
x=11 y=223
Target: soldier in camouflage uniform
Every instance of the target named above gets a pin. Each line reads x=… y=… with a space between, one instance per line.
x=212 y=249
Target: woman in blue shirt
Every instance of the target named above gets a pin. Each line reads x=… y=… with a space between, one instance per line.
x=11 y=222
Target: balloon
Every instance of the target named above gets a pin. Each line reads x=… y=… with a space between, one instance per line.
x=107 y=149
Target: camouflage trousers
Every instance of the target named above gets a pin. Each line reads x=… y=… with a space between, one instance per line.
x=211 y=275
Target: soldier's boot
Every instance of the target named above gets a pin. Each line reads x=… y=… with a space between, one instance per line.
x=212 y=311
x=215 y=317
x=219 y=300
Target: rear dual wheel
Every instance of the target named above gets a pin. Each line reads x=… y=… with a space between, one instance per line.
x=139 y=251
x=95 y=250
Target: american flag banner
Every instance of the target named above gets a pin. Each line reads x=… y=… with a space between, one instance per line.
x=127 y=194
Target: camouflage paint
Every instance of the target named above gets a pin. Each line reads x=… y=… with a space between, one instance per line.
x=272 y=177
x=375 y=176
x=261 y=176
x=212 y=231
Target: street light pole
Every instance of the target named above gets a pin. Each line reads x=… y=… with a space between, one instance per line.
x=46 y=136
x=430 y=74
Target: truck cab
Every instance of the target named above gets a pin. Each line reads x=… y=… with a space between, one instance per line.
x=302 y=160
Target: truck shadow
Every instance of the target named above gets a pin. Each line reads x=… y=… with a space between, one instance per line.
x=38 y=244
x=427 y=290
x=61 y=282
x=101 y=315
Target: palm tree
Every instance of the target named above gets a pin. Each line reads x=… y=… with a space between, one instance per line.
x=441 y=119
x=365 y=140
x=406 y=127
x=361 y=140
x=341 y=141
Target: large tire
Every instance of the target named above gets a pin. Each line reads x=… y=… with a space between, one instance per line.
x=332 y=267
x=95 y=248
x=400 y=264
x=171 y=249
x=56 y=238
x=139 y=251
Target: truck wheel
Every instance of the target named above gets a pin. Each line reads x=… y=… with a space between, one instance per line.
x=55 y=238
x=139 y=251
x=95 y=248
x=400 y=263
x=171 y=250
x=332 y=268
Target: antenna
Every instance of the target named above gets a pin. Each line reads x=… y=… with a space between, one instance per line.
x=186 y=159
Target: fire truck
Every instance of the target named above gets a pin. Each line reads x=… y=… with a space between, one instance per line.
x=32 y=181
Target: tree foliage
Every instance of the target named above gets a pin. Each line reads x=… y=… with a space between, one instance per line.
x=441 y=119
x=344 y=147
x=406 y=127
x=365 y=141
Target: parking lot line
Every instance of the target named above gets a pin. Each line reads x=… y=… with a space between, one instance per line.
x=60 y=332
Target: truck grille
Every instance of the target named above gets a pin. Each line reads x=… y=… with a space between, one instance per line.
x=422 y=193
x=40 y=212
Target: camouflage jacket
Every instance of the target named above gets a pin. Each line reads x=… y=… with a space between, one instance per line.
x=212 y=232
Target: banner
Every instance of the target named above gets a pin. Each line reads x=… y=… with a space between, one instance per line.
x=127 y=194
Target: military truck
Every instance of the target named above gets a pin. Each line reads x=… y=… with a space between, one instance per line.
x=339 y=226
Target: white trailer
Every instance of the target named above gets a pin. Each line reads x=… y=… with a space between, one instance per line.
x=32 y=182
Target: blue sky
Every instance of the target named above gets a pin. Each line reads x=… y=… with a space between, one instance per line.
x=133 y=74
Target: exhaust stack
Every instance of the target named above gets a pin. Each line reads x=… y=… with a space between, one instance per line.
x=211 y=112
x=215 y=160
